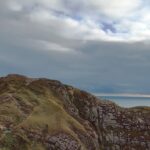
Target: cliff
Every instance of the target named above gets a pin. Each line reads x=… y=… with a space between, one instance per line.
x=43 y=114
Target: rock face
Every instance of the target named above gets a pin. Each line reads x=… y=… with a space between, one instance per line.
x=44 y=114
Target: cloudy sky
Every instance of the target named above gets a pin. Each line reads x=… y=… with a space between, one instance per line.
x=96 y=45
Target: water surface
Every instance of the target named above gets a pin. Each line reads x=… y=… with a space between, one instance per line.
x=126 y=101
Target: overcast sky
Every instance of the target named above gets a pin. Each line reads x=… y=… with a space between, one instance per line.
x=97 y=45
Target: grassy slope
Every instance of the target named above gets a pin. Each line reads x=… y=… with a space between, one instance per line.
x=35 y=106
x=34 y=111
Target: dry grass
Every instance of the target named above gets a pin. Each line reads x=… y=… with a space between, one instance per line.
x=52 y=114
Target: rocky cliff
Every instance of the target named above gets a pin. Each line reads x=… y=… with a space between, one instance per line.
x=42 y=114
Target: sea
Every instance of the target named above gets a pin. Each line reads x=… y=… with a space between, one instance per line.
x=126 y=101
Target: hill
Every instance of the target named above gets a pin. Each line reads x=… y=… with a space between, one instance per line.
x=43 y=114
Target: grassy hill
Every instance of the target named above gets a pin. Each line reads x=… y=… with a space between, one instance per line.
x=40 y=114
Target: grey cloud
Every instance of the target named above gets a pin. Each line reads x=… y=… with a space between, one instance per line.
x=94 y=65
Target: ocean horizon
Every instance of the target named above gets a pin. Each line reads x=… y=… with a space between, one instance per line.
x=127 y=101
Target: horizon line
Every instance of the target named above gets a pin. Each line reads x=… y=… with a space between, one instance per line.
x=122 y=95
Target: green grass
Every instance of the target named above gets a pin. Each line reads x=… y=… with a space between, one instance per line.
x=52 y=114
x=10 y=113
x=8 y=140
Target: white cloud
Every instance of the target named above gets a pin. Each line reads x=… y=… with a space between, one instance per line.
x=115 y=8
x=49 y=46
x=90 y=42
x=14 y=6
x=41 y=15
x=83 y=20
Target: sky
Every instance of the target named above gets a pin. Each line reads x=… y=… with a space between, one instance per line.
x=102 y=46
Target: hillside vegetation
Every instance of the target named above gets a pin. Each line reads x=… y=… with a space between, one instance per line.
x=43 y=114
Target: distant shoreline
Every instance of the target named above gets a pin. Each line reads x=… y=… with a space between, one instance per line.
x=122 y=95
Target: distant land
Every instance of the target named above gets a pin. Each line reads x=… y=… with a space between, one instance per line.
x=122 y=95
x=125 y=99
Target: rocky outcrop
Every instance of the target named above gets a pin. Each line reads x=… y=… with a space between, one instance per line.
x=117 y=128
x=50 y=115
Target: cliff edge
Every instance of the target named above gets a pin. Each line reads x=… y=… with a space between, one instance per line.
x=43 y=114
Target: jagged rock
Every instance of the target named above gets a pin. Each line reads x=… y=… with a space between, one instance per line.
x=54 y=116
x=62 y=142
